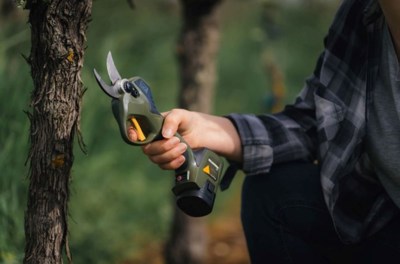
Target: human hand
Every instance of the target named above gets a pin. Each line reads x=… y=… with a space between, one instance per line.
x=198 y=130
x=168 y=152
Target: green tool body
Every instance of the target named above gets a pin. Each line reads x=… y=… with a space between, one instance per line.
x=197 y=180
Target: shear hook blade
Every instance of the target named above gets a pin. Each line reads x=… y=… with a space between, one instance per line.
x=112 y=70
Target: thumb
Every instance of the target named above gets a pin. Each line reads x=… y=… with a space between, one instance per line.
x=171 y=124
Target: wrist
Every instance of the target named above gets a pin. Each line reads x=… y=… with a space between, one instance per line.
x=221 y=136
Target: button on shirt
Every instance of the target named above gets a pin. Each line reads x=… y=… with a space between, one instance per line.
x=328 y=121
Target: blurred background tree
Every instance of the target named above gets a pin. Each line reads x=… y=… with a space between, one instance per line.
x=8 y=7
x=120 y=206
x=196 y=52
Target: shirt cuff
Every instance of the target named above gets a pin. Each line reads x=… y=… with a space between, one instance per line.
x=256 y=143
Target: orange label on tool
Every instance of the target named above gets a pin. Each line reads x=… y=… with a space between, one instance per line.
x=206 y=169
x=211 y=169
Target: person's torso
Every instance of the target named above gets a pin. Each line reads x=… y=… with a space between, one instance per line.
x=383 y=126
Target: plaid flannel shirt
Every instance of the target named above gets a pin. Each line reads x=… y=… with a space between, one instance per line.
x=327 y=123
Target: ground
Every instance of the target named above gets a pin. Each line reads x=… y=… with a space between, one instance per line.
x=226 y=242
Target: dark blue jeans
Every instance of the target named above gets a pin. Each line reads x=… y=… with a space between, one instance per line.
x=285 y=220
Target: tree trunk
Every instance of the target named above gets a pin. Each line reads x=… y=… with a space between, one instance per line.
x=196 y=52
x=58 y=31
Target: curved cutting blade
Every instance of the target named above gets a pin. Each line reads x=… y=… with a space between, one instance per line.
x=109 y=90
x=112 y=70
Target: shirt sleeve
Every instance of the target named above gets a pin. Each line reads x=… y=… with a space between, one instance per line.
x=274 y=138
x=257 y=150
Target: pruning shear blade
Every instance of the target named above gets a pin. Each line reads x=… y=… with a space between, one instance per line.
x=114 y=77
x=112 y=70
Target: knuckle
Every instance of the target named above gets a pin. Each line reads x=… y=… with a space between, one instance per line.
x=145 y=149
x=165 y=166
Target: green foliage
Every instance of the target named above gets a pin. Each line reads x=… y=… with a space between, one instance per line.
x=14 y=126
x=119 y=200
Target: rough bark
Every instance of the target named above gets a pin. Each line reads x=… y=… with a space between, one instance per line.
x=196 y=52
x=58 y=31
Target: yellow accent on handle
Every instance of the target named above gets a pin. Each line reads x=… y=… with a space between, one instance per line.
x=139 y=131
x=207 y=170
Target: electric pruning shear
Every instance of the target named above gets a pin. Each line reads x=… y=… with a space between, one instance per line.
x=197 y=180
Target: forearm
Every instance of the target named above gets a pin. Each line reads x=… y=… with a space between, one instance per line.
x=391 y=10
x=221 y=136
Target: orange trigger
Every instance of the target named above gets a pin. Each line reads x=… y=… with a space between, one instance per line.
x=139 y=131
